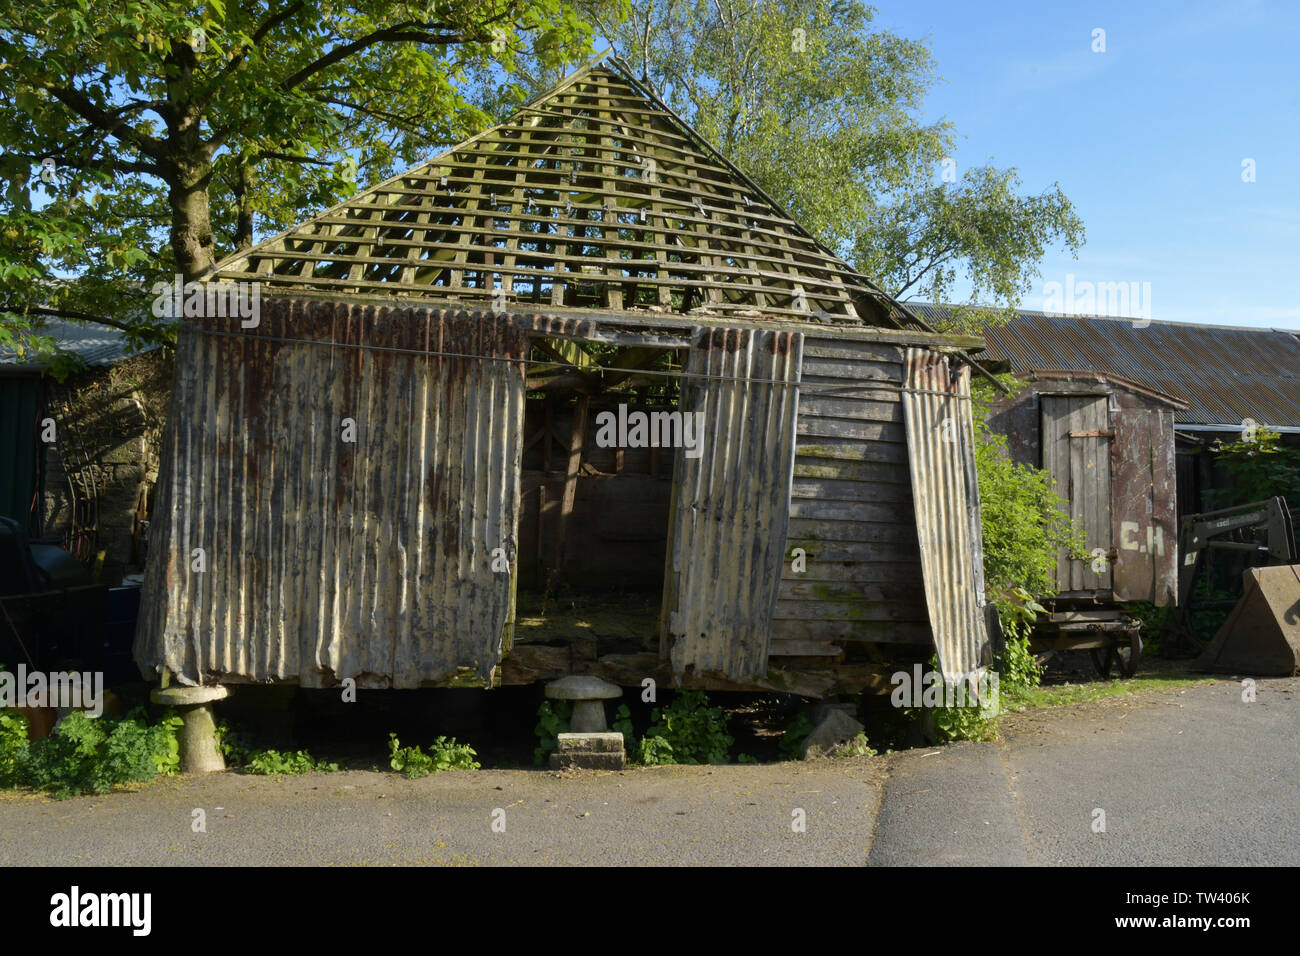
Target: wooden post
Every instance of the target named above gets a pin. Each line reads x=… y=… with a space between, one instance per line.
x=549 y=427
x=576 y=439
x=541 y=527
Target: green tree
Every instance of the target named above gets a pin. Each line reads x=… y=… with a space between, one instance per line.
x=1258 y=468
x=823 y=109
x=142 y=139
x=1023 y=521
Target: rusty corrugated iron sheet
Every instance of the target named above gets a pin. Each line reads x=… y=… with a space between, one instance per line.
x=1144 y=518
x=732 y=503
x=941 y=459
x=1225 y=374
x=325 y=558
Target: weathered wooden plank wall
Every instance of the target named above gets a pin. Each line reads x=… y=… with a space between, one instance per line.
x=1122 y=488
x=1144 y=479
x=851 y=507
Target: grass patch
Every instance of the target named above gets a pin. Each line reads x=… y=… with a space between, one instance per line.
x=1065 y=695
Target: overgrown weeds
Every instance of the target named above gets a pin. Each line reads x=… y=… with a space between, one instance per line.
x=87 y=754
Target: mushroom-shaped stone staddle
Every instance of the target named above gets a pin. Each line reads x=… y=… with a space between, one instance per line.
x=588 y=695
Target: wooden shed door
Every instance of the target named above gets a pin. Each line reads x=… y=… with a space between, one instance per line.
x=1145 y=505
x=1076 y=450
x=731 y=501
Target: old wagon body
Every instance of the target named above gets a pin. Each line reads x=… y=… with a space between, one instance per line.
x=1109 y=445
x=355 y=484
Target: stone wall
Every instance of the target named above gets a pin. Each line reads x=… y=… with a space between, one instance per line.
x=104 y=461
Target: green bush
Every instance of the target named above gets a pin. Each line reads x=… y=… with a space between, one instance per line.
x=234 y=746
x=652 y=751
x=944 y=724
x=273 y=762
x=1019 y=671
x=1259 y=469
x=859 y=746
x=14 y=750
x=689 y=731
x=1023 y=522
x=623 y=725
x=552 y=720
x=963 y=723
x=444 y=754
x=795 y=734
x=93 y=755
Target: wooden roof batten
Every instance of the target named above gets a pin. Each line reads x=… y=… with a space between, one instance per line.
x=594 y=196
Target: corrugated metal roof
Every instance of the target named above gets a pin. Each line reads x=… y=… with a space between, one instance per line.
x=97 y=345
x=1226 y=374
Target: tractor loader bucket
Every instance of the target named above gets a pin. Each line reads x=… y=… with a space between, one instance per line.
x=1262 y=634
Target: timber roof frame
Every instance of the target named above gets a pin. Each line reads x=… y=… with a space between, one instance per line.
x=595 y=196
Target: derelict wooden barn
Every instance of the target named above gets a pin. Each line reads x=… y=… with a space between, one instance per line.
x=472 y=321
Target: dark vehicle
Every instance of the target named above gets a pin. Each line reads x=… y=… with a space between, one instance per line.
x=54 y=617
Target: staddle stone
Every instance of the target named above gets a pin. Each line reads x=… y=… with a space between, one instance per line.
x=589 y=752
x=588 y=694
x=198 y=735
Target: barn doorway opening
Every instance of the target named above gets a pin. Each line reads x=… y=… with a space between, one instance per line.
x=595 y=497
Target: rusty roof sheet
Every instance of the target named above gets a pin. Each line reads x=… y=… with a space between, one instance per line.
x=1225 y=374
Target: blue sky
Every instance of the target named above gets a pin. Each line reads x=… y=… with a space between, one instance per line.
x=1147 y=139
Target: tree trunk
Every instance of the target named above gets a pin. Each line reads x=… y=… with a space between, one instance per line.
x=244 y=206
x=190 y=169
x=191 y=233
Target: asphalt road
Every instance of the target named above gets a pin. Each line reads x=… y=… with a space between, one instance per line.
x=1194 y=777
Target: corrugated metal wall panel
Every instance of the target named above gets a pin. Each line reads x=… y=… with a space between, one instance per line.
x=731 y=504
x=936 y=408
x=329 y=559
